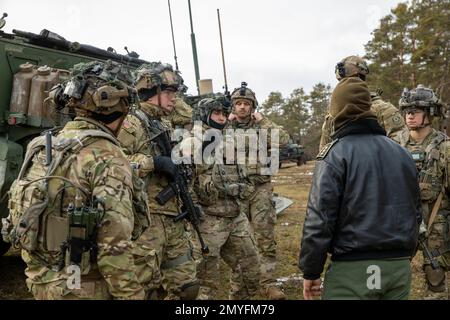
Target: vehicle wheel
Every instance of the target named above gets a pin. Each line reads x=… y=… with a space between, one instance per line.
x=4 y=247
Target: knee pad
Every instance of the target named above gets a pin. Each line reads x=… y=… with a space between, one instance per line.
x=435 y=278
x=189 y=291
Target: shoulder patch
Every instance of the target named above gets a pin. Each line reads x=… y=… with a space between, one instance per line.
x=396 y=119
x=324 y=151
x=126 y=124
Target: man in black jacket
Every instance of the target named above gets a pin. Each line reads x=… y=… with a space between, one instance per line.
x=364 y=207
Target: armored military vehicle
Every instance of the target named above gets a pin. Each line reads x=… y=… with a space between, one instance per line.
x=292 y=152
x=30 y=65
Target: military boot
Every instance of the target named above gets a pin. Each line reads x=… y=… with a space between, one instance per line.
x=436 y=284
x=273 y=293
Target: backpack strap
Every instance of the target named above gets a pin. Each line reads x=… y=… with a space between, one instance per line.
x=62 y=146
x=34 y=147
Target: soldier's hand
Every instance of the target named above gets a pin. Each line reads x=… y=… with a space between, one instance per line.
x=165 y=166
x=257 y=116
x=312 y=289
x=231 y=117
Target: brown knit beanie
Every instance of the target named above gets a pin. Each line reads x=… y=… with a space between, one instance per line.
x=350 y=101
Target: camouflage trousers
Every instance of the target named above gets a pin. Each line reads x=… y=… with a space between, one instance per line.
x=163 y=258
x=437 y=280
x=93 y=289
x=230 y=239
x=262 y=216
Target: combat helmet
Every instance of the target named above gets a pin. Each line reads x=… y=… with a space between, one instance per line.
x=351 y=66
x=207 y=106
x=155 y=77
x=376 y=95
x=421 y=98
x=244 y=93
x=96 y=88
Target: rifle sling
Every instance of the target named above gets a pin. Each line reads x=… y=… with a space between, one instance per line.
x=435 y=210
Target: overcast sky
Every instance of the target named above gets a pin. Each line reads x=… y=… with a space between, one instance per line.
x=274 y=45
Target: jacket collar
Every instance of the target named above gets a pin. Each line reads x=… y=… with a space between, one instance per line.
x=92 y=124
x=361 y=126
x=152 y=110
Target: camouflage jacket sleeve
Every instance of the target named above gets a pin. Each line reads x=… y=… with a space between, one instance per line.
x=135 y=143
x=111 y=181
x=182 y=113
x=389 y=118
x=325 y=138
x=283 y=135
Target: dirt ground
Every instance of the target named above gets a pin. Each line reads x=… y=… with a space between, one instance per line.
x=292 y=182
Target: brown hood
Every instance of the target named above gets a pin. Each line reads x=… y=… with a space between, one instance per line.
x=350 y=101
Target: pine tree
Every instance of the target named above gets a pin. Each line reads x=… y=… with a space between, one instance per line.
x=318 y=102
x=411 y=47
x=272 y=106
x=295 y=113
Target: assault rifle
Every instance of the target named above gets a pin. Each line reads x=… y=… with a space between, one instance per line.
x=428 y=254
x=179 y=187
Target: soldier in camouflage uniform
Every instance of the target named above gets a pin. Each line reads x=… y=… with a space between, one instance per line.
x=261 y=210
x=430 y=150
x=181 y=117
x=77 y=209
x=222 y=189
x=387 y=114
x=157 y=85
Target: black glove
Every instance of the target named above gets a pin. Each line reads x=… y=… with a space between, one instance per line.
x=165 y=166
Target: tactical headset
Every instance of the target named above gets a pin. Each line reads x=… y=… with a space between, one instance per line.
x=340 y=70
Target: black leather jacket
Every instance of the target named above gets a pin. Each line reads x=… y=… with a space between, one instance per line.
x=364 y=201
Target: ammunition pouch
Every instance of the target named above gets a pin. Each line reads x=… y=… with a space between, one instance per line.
x=26 y=207
x=165 y=195
x=227 y=208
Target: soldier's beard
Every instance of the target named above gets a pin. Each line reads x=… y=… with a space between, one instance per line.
x=243 y=117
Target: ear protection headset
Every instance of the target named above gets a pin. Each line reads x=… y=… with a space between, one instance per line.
x=108 y=96
x=340 y=70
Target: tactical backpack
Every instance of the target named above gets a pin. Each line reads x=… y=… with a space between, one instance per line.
x=36 y=221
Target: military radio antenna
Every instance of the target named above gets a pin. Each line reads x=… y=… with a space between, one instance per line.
x=194 y=49
x=173 y=38
x=227 y=93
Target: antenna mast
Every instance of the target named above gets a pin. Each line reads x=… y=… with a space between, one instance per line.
x=194 y=49
x=223 y=55
x=173 y=38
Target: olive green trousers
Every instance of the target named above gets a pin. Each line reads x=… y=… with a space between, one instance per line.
x=368 y=280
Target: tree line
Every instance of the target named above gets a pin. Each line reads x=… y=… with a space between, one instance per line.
x=410 y=46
